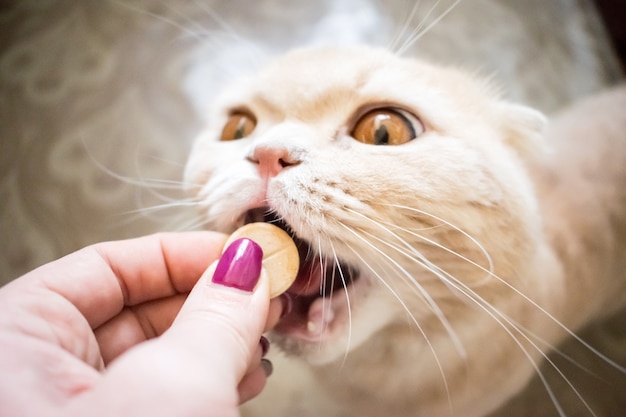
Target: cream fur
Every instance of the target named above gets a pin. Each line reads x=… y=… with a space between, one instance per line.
x=479 y=243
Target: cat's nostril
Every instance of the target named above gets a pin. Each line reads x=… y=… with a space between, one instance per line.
x=284 y=163
x=272 y=159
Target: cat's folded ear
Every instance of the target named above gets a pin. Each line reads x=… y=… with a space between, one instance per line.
x=523 y=129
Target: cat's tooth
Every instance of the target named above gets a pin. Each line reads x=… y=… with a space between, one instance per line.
x=320 y=317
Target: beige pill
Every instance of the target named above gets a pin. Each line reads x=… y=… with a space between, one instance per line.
x=280 y=254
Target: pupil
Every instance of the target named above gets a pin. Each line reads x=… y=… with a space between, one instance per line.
x=241 y=129
x=381 y=137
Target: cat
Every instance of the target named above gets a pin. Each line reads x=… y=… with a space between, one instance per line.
x=448 y=238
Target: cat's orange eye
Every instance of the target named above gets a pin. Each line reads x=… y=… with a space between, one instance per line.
x=387 y=127
x=239 y=125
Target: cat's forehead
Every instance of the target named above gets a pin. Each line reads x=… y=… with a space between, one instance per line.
x=326 y=66
x=309 y=83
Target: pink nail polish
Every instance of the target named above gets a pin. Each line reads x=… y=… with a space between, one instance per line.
x=240 y=265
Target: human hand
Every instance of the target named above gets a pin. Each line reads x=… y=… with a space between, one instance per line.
x=114 y=330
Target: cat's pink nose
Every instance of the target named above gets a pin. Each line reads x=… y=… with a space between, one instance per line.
x=272 y=159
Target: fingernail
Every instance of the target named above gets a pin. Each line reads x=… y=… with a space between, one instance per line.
x=265 y=346
x=287 y=300
x=240 y=265
x=267 y=366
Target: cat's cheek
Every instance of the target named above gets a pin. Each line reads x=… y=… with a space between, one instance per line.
x=294 y=199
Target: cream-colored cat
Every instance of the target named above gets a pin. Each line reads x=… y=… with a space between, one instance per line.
x=446 y=241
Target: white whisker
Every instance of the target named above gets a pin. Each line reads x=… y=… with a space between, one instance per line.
x=256 y=52
x=531 y=301
x=408 y=21
x=349 y=307
x=424 y=262
x=164 y=206
x=458 y=229
x=503 y=320
x=322 y=289
x=489 y=274
x=419 y=32
x=552 y=348
x=499 y=317
x=163 y=19
x=410 y=314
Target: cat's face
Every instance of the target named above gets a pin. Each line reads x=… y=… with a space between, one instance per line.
x=401 y=181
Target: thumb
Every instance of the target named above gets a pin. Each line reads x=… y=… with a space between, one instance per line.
x=224 y=316
x=228 y=307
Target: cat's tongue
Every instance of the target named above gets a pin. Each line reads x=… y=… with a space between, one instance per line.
x=314 y=310
x=312 y=313
x=317 y=275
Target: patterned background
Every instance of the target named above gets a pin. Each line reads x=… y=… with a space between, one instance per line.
x=100 y=100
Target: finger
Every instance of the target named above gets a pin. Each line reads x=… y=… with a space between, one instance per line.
x=259 y=370
x=139 y=323
x=136 y=324
x=101 y=279
x=253 y=383
x=227 y=321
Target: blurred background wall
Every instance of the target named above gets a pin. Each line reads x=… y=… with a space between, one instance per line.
x=99 y=100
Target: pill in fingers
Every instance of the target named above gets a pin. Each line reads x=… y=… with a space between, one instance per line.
x=280 y=254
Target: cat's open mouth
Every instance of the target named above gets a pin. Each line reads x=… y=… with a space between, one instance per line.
x=320 y=290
